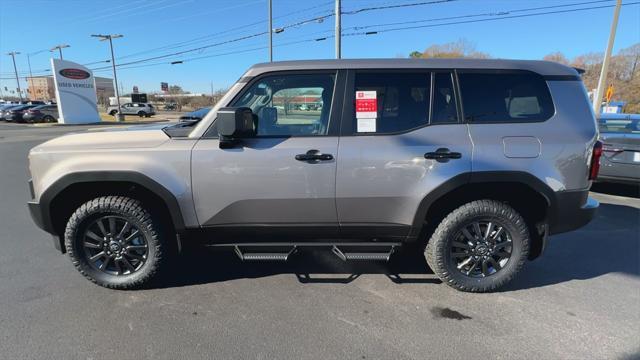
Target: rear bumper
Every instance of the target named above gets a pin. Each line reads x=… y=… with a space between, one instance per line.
x=618 y=179
x=572 y=210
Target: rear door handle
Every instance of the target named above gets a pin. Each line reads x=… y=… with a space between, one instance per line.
x=442 y=155
x=315 y=156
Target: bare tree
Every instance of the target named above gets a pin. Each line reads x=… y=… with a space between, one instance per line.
x=462 y=48
x=557 y=57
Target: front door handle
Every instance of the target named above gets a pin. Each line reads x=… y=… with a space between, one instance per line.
x=314 y=156
x=442 y=155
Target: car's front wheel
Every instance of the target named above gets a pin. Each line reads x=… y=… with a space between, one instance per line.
x=116 y=243
x=479 y=246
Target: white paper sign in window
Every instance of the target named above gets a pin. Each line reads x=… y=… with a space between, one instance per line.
x=366 y=111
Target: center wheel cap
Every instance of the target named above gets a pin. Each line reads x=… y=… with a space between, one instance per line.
x=482 y=250
x=114 y=246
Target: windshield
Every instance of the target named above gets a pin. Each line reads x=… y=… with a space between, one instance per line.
x=624 y=125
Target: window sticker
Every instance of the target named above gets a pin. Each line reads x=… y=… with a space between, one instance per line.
x=366 y=125
x=366 y=111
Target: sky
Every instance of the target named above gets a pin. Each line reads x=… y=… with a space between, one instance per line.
x=220 y=39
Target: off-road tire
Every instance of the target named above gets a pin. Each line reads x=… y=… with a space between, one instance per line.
x=134 y=212
x=437 y=252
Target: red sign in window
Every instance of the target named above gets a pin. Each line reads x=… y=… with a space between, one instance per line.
x=366 y=104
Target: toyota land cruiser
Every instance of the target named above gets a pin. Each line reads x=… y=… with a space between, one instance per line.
x=476 y=162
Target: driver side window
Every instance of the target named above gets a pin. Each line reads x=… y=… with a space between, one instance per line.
x=290 y=104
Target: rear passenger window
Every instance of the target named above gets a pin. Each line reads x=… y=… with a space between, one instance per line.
x=391 y=102
x=505 y=97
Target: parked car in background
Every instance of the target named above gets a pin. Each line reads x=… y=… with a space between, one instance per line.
x=195 y=115
x=140 y=109
x=41 y=113
x=5 y=106
x=170 y=106
x=620 y=161
x=14 y=114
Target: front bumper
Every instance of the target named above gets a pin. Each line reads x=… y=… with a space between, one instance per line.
x=572 y=210
x=43 y=221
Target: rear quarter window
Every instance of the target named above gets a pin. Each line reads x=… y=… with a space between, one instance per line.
x=505 y=97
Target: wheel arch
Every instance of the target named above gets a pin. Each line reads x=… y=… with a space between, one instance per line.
x=531 y=197
x=60 y=199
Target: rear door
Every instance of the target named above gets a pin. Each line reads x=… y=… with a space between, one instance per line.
x=401 y=138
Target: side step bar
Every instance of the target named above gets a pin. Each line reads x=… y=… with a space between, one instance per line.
x=364 y=256
x=263 y=256
x=344 y=251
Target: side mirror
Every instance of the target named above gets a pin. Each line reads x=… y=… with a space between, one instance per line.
x=234 y=124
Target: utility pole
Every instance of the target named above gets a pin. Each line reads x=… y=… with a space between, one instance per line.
x=30 y=81
x=29 y=63
x=15 y=69
x=597 y=98
x=110 y=37
x=270 y=32
x=338 y=11
x=59 y=48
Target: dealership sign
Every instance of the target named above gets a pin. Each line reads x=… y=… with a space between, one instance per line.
x=75 y=93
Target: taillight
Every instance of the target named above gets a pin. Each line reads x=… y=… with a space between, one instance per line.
x=595 y=160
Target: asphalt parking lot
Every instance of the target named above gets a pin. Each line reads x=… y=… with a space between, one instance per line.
x=581 y=300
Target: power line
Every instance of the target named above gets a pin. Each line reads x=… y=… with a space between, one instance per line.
x=482 y=20
x=299 y=23
x=396 y=6
x=218 y=34
x=125 y=65
x=496 y=13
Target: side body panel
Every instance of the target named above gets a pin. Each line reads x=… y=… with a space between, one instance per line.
x=383 y=179
x=165 y=161
x=261 y=183
x=565 y=142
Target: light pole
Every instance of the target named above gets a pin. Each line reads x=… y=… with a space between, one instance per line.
x=338 y=30
x=15 y=69
x=30 y=82
x=597 y=97
x=110 y=37
x=270 y=33
x=59 y=48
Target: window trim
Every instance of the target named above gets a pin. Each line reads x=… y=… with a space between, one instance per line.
x=347 y=128
x=336 y=102
x=503 y=71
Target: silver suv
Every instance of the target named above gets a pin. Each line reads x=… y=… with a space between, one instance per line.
x=474 y=162
x=140 y=109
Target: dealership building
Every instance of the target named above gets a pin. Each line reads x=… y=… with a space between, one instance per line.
x=42 y=88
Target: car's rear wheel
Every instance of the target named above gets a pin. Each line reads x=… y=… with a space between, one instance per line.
x=142 y=113
x=116 y=243
x=479 y=246
x=48 y=119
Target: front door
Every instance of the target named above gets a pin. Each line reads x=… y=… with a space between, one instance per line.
x=400 y=140
x=284 y=177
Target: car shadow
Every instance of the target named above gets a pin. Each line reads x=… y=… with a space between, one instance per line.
x=627 y=190
x=609 y=244
x=200 y=266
